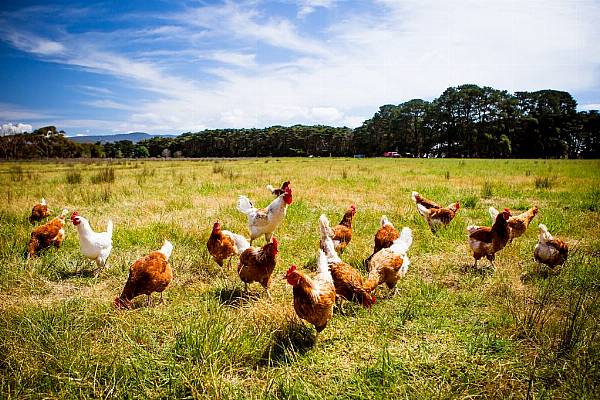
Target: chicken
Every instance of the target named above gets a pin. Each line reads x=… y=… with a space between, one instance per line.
x=313 y=298
x=265 y=221
x=348 y=282
x=487 y=241
x=517 y=224
x=417 y=198
x=391 y=263
x=44 y=236
x=549 y=250
x=148 y=274
x=94 y=245
x=278 y=192
x=223 y=245
x=386 y=235
x=435 y=215
x=39 y=212
x=342 y=233
x=257 y=265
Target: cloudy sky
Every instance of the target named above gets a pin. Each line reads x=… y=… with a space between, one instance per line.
x=175 y=66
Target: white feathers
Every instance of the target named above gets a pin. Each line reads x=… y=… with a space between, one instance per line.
x=493 y=213
x=241 y=243
x=422 y=210
x=326 y=242
x=264 y=221
x=270 y=188
x=413 y=196
x=43 y=202
x=385 y=221
x=323 y=272
x=401 y=246
x=403 y=243
x=545 y=235
x=94 y=245
x=472 y=228
x=245 y=205
x=167 y=249
x=324 y=227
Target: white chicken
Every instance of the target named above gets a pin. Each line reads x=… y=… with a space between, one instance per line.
x=265 y=221
x=94 y=245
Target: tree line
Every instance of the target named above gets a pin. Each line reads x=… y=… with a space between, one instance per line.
x=465 y=121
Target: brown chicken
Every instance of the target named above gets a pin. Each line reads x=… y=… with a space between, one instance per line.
x=149 y=274
x=386 y=235
x=348 y=282
x=342 y=233
x=391 y=263
x=279 y=191
x=435 y=215
x=223 y=245
x=257 y=265
x=487 y=241
x=44 y=236
x=517 y=224
x=39 y=212
x=313 y=298
x=550 y=250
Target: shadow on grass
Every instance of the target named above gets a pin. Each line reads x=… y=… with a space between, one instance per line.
x=234 y=297
x=294 y=339
x=80 y=273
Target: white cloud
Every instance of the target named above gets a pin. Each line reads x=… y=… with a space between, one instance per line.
x=306 y=7
x=10 y=129
x=588 y=107
x=108 y=104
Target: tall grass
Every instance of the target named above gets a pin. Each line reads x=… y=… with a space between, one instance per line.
x=105 y=175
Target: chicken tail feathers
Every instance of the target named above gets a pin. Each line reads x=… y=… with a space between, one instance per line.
x=167 y=249
x=109 y=228
x=422 y=209
x=323 y=272
x=326 y=230
x=545 y=235
x=270 y=188
x=245 y=205
x=493 y=214
x=326 y=241
x=403 y=243
x=384 y=221
x=413 y=196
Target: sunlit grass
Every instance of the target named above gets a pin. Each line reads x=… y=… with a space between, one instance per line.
x=450 y=332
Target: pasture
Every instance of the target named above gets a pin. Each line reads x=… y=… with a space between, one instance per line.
x=450 y=332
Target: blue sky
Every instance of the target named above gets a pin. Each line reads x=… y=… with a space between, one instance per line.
x=176 y=66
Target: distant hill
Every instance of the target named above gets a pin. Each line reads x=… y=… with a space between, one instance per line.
x=133 y=136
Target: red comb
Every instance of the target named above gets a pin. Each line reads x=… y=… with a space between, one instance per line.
x=292 y=269
x=75 y=213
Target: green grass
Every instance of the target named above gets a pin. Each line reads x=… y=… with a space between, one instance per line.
x=450 y=332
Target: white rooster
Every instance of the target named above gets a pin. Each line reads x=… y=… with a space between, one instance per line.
x=264 y=221
x=94 y=245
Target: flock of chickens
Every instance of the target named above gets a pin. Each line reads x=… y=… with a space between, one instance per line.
x=334 y=281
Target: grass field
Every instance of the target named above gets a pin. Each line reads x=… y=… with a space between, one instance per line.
x=451 y=332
